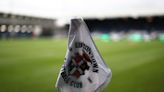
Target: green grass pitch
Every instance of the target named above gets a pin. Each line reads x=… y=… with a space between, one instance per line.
x=33 y=65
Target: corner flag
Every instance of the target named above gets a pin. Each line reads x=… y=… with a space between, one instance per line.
x=84 y=69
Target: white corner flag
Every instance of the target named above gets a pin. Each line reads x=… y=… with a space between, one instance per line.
x=84 y=69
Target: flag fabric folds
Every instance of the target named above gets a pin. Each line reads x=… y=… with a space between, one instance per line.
x=83 y=70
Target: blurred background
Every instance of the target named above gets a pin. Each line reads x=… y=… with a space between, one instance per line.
x=128 y=33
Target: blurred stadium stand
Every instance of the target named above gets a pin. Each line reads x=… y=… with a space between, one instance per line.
x=16 y=26
x=147 y=28
x=126 y=24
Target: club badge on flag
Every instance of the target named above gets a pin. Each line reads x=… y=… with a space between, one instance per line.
x=84 y=69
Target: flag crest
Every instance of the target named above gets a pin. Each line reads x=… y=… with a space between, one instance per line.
x=84 y=69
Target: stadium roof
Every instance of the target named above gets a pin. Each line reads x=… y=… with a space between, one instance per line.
x=83 y=8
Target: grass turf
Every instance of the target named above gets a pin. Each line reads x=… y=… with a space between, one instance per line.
x=33 y=65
